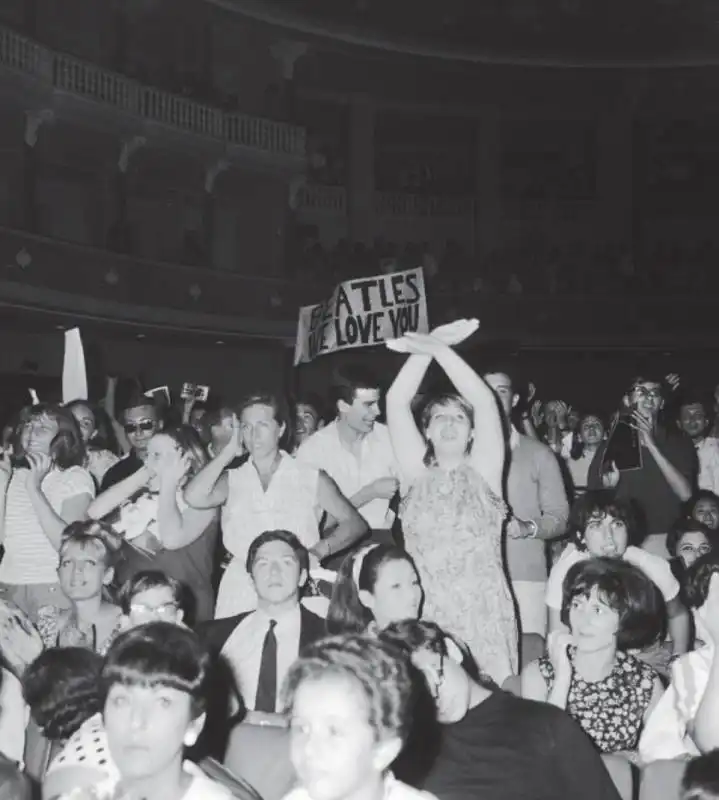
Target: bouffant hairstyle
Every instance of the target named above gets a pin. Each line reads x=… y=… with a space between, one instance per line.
x=93 y=533
x=61 y=687
x=158 y=654
x=379 y=669
x=359 y=572
x=595 y=505
x=624 y=588
x=67 y=448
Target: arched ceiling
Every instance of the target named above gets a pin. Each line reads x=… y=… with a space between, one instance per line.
x=576 y=33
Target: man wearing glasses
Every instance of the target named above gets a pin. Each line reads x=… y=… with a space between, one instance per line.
x=141 y=420
x=667 y=474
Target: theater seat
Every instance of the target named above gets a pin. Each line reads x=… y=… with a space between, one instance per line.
x=259 y=754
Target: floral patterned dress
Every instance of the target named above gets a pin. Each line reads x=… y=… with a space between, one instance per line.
x=610 y=711
x=452 y=523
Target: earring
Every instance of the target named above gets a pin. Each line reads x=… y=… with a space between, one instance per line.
x=189 y=739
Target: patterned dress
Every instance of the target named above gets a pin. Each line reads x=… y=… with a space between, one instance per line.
x=610 y=711
x=452 y=523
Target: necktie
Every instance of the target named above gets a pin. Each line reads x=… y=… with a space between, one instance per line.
x=267 y=680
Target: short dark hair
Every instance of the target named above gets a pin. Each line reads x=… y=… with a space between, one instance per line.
x=158 y=654
x=379 y=668
x=348 y=379
x=278 y=535
x=346 y=614
x=698 y=579
x=61 y=687
x=139 y=400
x=145 y=580
x=600 y=503
x=692 y=396
x=701 y=777
x=624 y=588
x=91 y=531
x=687 y=525
x=701 y=494
x=67 y=448
x=414 y=635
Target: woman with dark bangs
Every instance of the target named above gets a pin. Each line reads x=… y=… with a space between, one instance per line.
x=601 y=524
x=42 y=491
x=153 y=686
x=608 y=608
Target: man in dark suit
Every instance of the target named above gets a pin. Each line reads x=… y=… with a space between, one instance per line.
x=257 y=648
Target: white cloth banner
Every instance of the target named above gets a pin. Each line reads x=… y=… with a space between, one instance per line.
x=74 y=375
x=363 y=312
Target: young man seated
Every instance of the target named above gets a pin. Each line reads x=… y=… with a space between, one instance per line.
x=259 y=646
x=491 y=743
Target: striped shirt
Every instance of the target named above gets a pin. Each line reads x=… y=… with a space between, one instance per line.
x=30 y=557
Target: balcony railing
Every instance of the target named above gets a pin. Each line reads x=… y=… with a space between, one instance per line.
x=81 y=78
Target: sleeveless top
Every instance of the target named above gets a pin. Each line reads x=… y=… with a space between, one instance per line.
x=289 y=503
x=611 y=711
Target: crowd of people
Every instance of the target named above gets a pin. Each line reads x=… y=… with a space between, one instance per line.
x=488 y=594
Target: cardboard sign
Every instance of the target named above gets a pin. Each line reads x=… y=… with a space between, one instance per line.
x=363 y=312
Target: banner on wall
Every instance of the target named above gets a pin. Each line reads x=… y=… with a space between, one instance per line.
x=363 y=312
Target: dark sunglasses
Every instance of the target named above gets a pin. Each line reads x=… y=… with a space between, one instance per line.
x=145 y=427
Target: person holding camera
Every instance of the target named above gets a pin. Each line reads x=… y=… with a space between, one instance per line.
x=664 y=473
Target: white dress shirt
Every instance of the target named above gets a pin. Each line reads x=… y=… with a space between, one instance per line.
x=325 y=450
x=708 y=458
x=243 y=650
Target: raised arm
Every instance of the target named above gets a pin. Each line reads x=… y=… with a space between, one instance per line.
x=116 y=495
x=407 y=441
x=209 y=488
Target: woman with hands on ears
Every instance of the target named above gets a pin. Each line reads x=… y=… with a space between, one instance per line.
x=452 y=511
x=43 y=488
x=160 y=530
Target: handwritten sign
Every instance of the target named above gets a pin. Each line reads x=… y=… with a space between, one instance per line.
x=363 y=312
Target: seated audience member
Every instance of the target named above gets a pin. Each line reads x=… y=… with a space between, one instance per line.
x=693 y=419
x=703 y=506
x=98 y=445
x=153 y=686
x=684 y=723
x=84 y=759
x=42 y=491
x=493 y=744
x=608 y=607
x=376 y=585
x=161 y=531
x=348 y=699
x=585 y=443
x=259 y=646
x=87 y=556
x=701 y=778
x=152 y=596
x=62 y=690
x=603 y=525
x=687 y=541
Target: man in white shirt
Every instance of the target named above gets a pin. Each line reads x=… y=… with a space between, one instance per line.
x=355 y=450
x=259 y=646
x=693 y=420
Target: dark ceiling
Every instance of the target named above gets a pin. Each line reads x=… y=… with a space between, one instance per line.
x=572 y=32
